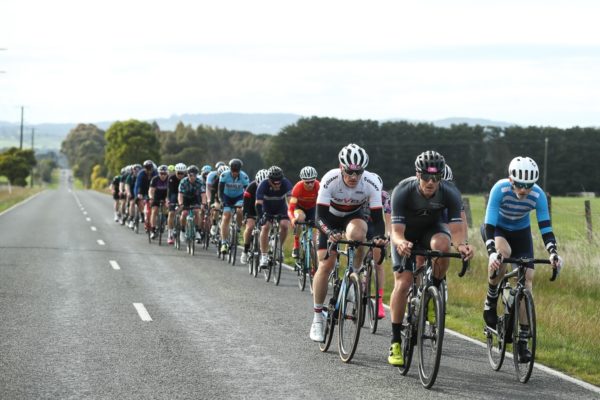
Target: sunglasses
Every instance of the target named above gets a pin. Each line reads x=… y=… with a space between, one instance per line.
x=162 y=173
x=310 y=182
x=276 y=182
x=520 y=185
x=428 y=177
x=350 y=172
x=181 y=173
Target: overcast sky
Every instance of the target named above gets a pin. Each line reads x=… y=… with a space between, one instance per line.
x=525 y=62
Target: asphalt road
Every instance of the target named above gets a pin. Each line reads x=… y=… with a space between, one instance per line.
x=69 y=327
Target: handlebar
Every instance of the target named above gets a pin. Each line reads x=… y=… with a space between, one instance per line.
x=522 y=261
x=437 y=254
x=355 y=243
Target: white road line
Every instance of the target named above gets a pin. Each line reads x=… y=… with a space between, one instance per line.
x=85 y=213
x=20 y=203
x=88 y=219
x=115 y=265
x=142 y=312
x=93 y=228
x=100 y=242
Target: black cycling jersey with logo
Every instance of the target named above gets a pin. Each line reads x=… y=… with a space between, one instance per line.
x=411 y=208
x=160 y=186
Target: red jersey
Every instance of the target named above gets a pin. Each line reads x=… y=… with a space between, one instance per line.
x=306 y=199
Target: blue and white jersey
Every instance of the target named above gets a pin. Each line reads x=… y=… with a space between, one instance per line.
x=211 y=180
x=508 y=212
x=234 y=187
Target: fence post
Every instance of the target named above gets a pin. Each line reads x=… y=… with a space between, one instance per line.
x=467 y=207
x=588 y=220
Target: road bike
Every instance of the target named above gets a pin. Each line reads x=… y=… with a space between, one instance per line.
x=234 y=231
x=515 y=310
x=425 y=318
x=275 y=253
x=161 y=221
x=307 y=262
x=369 y=278
x=190 y=230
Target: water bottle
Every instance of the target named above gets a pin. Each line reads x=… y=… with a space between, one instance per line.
x=508 y=298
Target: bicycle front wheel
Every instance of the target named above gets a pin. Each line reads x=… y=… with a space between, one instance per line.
x=524 y=316
x=300 y=267
x=409 y=333
x=277 y=260
x=255 y=255
x=372 y=297
x=496 y=340
x=313 y=264
x=350 y=315
x=330 y=322
x=430 y=335
x=234 y=245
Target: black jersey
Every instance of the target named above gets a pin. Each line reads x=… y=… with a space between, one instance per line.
x=411 y=208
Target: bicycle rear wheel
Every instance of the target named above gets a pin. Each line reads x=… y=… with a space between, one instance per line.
x=524 y=301
x=430 y=336
x=408 y=334
x=300 y=267
x=161 y=225
x=349 y=319
x=255 y=255
x=372 y=296
x=234 y=244
x=313 y=265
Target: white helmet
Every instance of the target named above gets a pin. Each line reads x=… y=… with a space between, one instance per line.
x=523 y=170
x=447 y=173
x=261 y=175
x=222 y=169
x=353 y=157
x=308 y=173
x=180 y=167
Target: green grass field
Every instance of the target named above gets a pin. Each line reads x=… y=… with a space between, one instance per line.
x=568 y=310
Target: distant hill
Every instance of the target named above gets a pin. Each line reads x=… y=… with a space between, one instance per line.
x=49 y=136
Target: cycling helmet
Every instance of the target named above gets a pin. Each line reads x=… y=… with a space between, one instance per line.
x=180 y=167
x=308 y=173
x=171 y=168
x=163 y=168
x=192 y=169
x=148 y=163
x=218 y=164
x=206 y=169
x=137 y=167
x=123 y=170
x=447 y=174
x=275 y=173
x=128 y=169
x=261 y=175
x=235 y=164
x=353 y=157
x=430 y=162
x=222 y=169
x=523 y=170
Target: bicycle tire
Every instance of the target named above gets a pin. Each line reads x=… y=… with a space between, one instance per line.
x=234 y=245
x=373 y=297
x=330 y=321
x=313 y=265
x=277 y=259
x=496 y=341
x=267 y=271
x=409 y=333
x=255 y=254
x=430 y=336
x=160 y=228
x=149 y=234
x=301 y=266
x=523 y=370
x=350 y=315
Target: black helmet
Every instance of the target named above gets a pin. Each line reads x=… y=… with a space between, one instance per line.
x=275 y=173
x=148 y=163
x=235 y=164
x=192 y=169
x=430 y=162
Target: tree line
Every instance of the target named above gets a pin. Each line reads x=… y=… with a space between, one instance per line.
x=478 y=155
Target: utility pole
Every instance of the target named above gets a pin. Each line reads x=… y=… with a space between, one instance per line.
x=32 y=136
x=21 y=143
x=545 y=162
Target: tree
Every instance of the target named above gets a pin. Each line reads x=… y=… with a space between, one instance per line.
x=16 y=165
x=84 y=147
x=130 y=142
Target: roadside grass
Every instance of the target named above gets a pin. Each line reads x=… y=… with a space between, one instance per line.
x=567 y=310
x=18 y=194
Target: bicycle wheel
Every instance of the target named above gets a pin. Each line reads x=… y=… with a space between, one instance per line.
x=372 y=296
x=234 y=244
x=301 y=266
x=313 y=264
x=255 y=254
x=349 y=319
x=524 y=301
x=161 y=224
x=277 y=259
x=430 y=336
x=496 y=340
x=409 y=333
x=330 y=321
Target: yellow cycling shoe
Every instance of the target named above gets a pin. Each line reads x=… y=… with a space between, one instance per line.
x=395 y=358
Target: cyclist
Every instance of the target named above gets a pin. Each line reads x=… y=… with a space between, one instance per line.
x=172 y=193
x=387 y=216
x=190 y=194
x=116 y=182
x=418 y=204
x=123 y=194
x=142 y=185
x=129 y=189
x=271 y=201
x=232 y=184
x=343 y=192
x=250 y=211
x=303 y=201
x=507 y=233
x=158 y=192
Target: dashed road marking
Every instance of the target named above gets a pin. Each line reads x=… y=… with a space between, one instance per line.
x=88 y=219
x=115 y=265
x=93 y=228
x=143 y=313
x=100 y=242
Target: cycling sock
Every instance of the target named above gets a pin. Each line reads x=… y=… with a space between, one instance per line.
x=318 y=308
x=296 y=242
x=492 y=293
x=396 y=332
x=380 y=293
